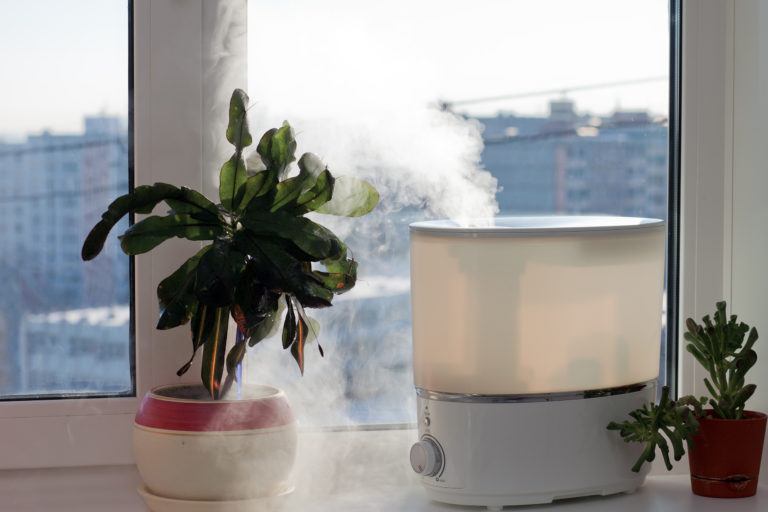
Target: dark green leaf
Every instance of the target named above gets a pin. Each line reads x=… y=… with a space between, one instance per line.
x=277 y=149
x=214 y=352
x=312 y=238
x=202 y=322
x=232 y=180
x=351 y=198
x=235 y=356
x=176 y=293
x=338 y=283
x=279 y=270
x=267 y=327
x=142 y=200
x=289 y=192
x=297 y=349
x=319 y=194
x=147 y=234
x=289 y=326
x=196 y=205
x=256 y=186
x=237 y=129
x=218 y=274
x=253 y=300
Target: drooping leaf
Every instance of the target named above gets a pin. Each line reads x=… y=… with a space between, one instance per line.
x=237 y=128
x=313 y=239
x=214 y=352
x=218 y=273
x=236 y=355
x=232 y=181
x=351 y=198
x=196 y=205
x=176 y=293
x=267 y=327
x=147 y=234
x=297 y=349
x=278 y=269
x=313 y=326
x=202 y=322
x=289 y=326
x=253 y=300
x=277 y=149
x=142 y=200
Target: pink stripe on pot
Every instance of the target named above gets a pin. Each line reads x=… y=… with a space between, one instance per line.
x=160 y=409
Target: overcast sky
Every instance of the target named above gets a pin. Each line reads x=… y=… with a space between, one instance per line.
x=62 y=59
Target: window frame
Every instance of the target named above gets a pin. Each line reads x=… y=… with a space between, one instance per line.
x=707 y=169
x=171 y=113
x=173 y=102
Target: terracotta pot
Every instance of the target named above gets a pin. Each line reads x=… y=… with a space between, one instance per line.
x=725 y=456
x=189 y=447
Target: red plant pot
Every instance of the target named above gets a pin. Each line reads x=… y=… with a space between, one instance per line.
x=725 y=456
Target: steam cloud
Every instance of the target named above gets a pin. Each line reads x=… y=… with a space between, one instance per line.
x=357 y=97
x=366 y=112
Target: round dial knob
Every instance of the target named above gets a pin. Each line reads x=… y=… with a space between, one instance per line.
x=426 y=458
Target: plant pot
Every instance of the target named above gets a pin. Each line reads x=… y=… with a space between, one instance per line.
x=725 y=456
x=189 y=447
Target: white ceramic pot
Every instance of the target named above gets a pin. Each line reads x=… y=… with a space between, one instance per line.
x=189 y=447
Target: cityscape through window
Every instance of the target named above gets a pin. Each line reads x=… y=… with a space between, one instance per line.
x=64 y=325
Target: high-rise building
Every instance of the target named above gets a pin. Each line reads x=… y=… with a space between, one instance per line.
x=570 y=163
x=53 y=188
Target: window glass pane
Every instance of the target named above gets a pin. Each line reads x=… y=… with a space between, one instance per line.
x=454 y=108
x=64 y=324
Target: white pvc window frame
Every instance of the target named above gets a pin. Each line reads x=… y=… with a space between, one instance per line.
x=707 y=169
x=174 y=110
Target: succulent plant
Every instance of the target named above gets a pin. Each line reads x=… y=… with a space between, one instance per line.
x=721 y=349
x=264 y=255
x=652 y=423
x=724 y=349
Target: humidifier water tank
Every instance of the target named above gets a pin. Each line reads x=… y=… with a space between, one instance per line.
x=530 y=334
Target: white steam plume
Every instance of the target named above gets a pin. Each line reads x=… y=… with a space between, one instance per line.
x=364 y=100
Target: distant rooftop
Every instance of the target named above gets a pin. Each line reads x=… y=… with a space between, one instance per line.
x=108 y=316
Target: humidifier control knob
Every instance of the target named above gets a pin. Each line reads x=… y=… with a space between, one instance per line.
x=426 y=457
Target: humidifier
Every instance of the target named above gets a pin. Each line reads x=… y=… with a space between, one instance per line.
x=531 y=334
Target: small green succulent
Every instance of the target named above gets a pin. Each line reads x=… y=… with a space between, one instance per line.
x=724 y=349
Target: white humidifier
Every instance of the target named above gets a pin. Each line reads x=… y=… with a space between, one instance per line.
x=531 y=334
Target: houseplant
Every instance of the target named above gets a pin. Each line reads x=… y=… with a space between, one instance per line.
x=264 y=257
x=724 y=442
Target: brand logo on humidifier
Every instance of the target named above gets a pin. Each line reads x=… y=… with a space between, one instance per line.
x=538 y=288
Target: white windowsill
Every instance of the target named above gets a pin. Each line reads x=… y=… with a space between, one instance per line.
x=339 y=472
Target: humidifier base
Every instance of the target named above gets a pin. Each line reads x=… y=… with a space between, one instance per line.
x=503 y=450
x=497 y=502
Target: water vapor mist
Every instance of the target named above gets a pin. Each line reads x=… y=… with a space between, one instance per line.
x=364 y=100
x=360 y=99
